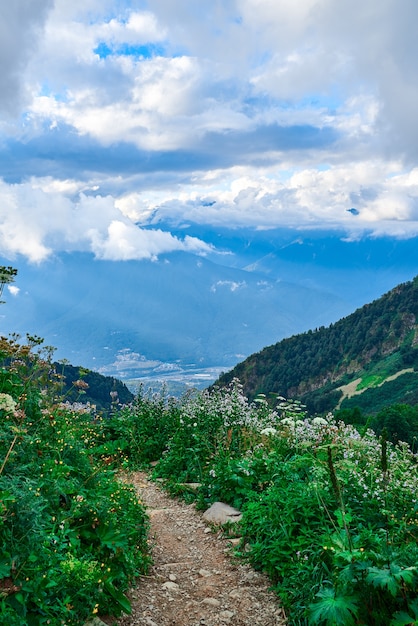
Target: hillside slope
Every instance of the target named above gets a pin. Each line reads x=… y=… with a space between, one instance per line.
x=365 y=349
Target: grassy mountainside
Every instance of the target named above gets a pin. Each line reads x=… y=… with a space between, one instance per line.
x=364 y=358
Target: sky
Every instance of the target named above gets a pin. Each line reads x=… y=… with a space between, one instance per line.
x=118 y=114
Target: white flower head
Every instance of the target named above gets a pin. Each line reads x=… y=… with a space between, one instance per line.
x=7 y=403
x=319 y=421
x=270 y=431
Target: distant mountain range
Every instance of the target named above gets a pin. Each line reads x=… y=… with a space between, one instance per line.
x=189 y=317
x=367 y=360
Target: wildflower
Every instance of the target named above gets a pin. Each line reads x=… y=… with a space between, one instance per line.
x=287 y=421
x=81 y=384
x=269 y=431
x=319 y=421
x=7 y=403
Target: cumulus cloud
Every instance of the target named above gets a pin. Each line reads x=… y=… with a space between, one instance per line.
x=384 y=196
x=258 y=113
x=21 y=23
x=124 y=242
x=34 y=222
x=13 y=289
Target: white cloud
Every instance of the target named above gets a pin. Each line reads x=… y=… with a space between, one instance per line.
x=13 y=289
x=306 y=198
x=34 y=222
x=226 y=122
x=232 y=285
x=123 y=242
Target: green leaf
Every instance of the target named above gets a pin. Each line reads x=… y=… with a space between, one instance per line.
x=333 y=609
x=403 y=619
x=384 y=579
x=390 y=578
x=119 y=597
x=111 y=537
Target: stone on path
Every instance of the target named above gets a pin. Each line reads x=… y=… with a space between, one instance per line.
x=221 y=513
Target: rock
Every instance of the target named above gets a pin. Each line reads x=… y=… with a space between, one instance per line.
x=191 y=486
x=211 y=602
x=170 y=586
x=173 y=578
x=235 y=541
x=204 y=573
x=95 y=622
x=221 y=513
x=226 y=616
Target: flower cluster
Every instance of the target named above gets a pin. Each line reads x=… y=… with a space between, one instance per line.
x=7 y=404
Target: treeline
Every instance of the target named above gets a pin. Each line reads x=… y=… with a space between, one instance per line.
x=327 y=357
x=398 y=421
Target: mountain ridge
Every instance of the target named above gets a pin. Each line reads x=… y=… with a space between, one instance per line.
x=372 y=344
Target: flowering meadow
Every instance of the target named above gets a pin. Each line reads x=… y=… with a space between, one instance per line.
x=73 y=538
x=330 y=512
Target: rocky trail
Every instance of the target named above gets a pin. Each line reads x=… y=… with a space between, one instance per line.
x=195 y=580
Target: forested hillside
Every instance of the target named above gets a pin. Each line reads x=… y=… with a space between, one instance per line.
x=374 y=347
x=78 y=384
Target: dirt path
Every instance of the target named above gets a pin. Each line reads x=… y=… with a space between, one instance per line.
x=194 y=580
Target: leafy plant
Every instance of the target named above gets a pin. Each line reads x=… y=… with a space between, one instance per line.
x=333 y=609
x=72 y=536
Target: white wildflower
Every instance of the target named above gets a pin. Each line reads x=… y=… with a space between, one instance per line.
x=7 y=403
x=319 y=421
x=287 y=421
x=270 y=431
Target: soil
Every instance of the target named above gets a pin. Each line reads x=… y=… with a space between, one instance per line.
x=195 y=580
x=350 y=389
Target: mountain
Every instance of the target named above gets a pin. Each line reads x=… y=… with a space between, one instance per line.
x=368 y=359
x=80 y=385
x=184 y=317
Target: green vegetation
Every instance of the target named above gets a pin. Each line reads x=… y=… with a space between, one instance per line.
x=403 y=389
x=375 y=342
x=330 y=512
x=105 y=393
x=7 y=276
x=330 y=507
x=72 y=537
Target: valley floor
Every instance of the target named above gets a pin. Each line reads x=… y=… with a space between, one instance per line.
x=194 y=580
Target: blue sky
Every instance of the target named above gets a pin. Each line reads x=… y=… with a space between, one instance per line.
x=242 y=113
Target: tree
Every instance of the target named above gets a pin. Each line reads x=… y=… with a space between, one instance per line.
x=400 y=421
x=7 y=276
